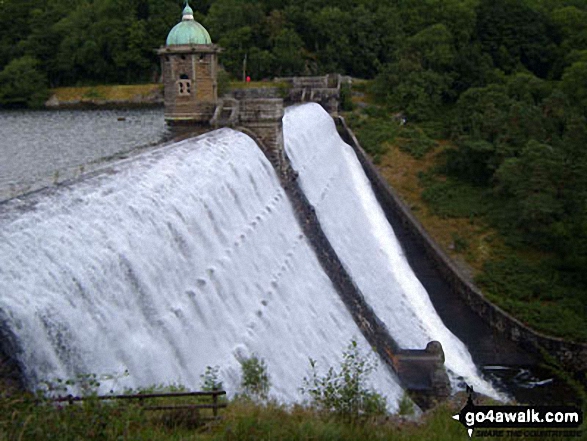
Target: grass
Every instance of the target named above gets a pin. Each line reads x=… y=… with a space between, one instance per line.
x=109 y=93
x=22 y=418
x=462 y=219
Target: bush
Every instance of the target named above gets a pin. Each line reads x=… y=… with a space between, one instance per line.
x=414 y=141
x=345 y=392
x=375 y=134
x=454 y=198
x=255 y=381
x=406 y=405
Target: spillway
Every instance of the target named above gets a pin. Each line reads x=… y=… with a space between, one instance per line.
x=335 y=184
x=180 y=258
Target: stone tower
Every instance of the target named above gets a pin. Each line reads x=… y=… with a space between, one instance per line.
x=189 y=66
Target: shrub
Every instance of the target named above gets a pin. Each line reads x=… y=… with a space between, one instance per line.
x=345 y=392
x=223 y=82
x=406 y=405
x=415 y=141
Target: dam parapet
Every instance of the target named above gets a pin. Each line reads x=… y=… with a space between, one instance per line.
x=257 y=116
x=324 y=90
x=259 y=111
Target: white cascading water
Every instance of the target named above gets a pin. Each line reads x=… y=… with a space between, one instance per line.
x=180 y=258
x=336 y=185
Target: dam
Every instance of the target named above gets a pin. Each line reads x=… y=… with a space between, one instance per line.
x=190 y=255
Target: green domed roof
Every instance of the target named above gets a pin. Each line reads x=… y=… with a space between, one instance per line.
x=188 y=31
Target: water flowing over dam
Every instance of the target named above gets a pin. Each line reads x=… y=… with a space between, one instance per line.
x=190 y=256
x=335 y=184
x=186 y=257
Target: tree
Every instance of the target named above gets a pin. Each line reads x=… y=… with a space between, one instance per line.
x=516 y=35
x=482 y=112
x=14 y=26
x=288 y=53
x=23 y=84
x=572 y=25
x=332 y=41
x=534 y=181
x=432 y=47
x=574 y=84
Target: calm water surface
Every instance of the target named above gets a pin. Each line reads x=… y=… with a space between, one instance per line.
x=39 y=148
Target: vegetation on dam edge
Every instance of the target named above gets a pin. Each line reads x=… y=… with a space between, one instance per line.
x=339 y=408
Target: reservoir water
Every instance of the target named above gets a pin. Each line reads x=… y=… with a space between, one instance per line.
x=39 y=148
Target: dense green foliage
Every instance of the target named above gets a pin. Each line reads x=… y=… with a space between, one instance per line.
x=508 y=87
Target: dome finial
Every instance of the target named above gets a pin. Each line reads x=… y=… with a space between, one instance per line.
x=188 y=13
x=188 y=30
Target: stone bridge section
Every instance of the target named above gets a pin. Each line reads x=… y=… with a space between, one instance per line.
x=324 y=90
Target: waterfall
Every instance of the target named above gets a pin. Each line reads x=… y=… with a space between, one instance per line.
x=176 y=259
x=334 y=182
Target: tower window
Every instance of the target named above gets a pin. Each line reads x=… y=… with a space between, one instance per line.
x=184 y=87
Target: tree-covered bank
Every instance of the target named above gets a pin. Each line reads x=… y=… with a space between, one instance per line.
x=508 y=90
x=427 y=52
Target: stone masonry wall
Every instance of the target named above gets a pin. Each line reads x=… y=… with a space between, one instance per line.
x=205 y=81
x=263 y=117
